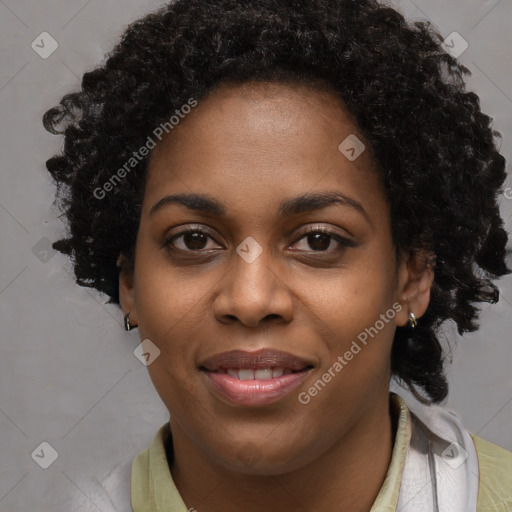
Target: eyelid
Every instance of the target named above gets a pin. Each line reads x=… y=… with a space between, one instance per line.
x=186 y=229
x=343 y=241
x=319 y=227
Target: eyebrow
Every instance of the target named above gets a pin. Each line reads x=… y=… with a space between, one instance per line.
x=292 y=206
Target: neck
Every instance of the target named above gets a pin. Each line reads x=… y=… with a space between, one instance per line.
x=346 y=477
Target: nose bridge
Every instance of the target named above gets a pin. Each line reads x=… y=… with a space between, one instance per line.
x=253 y=288
x=253 y=267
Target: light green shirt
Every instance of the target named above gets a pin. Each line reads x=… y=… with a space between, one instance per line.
x=153 y=489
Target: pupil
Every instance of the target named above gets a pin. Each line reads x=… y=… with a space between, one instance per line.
x=193 y=240
x=321 y=238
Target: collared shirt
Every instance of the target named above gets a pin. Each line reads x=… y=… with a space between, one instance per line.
x=153 y=489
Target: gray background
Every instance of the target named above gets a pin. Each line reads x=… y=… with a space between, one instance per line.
x=68 y=375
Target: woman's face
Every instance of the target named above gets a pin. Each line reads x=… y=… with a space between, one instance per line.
x=248 y=277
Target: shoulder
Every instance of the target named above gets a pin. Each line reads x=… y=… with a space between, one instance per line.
x=495 y=467
x=470 y=468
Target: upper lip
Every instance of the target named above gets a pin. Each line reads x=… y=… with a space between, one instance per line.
x=264 y=358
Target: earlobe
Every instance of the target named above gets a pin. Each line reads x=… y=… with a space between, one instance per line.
x=127 y=293
x=416 y=279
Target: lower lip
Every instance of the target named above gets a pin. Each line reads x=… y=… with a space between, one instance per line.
x=255 y=392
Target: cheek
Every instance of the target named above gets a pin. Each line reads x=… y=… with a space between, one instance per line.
x=352 y=299
x=356 y=352
x=170 y=310
x=169 y=301
x=353 y=313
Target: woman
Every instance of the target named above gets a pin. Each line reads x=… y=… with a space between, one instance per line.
x=288 y=199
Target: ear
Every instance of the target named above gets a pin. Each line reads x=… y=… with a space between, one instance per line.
x=415 y=278
x=127 y=289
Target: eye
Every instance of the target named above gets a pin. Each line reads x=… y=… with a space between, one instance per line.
x=192 y=240
x=320 y=240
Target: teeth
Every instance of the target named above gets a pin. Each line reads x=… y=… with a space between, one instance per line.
x=260 y=374
x=263 y=374
x=246 y=374
x=233 y=373
x=277 y=372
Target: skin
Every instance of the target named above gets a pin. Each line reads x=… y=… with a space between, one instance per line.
x=251 y=146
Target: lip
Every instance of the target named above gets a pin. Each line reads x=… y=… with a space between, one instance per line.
x=262 y=358
x=254 y=392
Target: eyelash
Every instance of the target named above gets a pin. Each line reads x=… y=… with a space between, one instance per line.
x=343 y=241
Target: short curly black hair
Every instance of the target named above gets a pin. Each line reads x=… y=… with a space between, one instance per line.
x=434 y=147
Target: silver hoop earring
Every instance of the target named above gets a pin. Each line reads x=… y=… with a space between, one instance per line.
x=127 y=324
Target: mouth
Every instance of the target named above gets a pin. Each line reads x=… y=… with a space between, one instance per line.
x=254 y=378
x=255 y=373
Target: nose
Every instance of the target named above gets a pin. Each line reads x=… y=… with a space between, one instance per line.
x=252 y=292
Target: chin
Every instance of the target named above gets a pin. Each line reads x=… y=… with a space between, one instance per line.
x=257 y=460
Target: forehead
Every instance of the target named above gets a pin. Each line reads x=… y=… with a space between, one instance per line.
x=263 y=139
x=250 y=112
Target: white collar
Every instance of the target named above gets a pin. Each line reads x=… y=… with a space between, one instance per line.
x=441 y=470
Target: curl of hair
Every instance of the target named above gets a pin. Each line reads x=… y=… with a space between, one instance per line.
x=434 y=147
